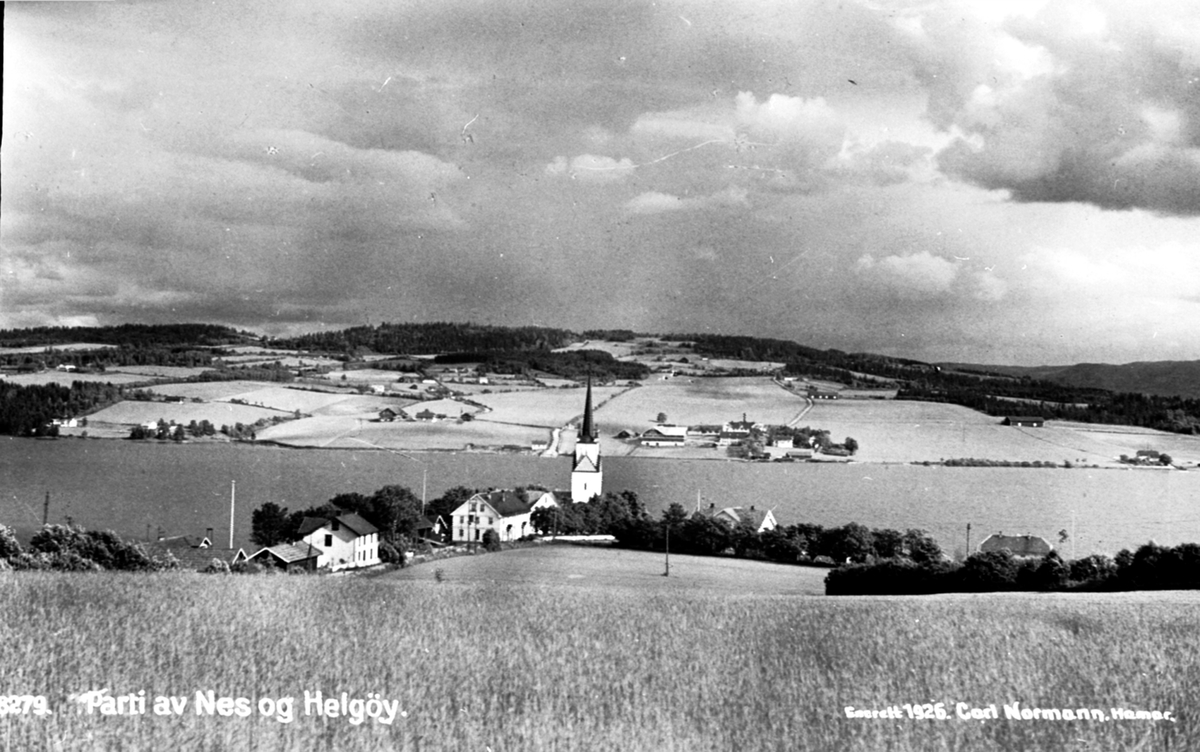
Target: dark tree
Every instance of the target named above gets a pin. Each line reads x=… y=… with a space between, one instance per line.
x=270 y=525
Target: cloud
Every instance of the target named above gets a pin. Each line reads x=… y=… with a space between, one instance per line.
x=1091 y=102
x=916 y=275
x=886 y=163
x=653 y=202
x=590 y=168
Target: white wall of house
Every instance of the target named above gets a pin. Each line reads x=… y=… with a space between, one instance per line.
x=343 y=548
x=475 y=516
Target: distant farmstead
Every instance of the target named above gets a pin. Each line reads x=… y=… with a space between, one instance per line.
x=1028 y=421
x=1017 y=545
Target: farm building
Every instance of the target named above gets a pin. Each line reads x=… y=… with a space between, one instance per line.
x=1028 y=421
x=507 y=512
x=387 y=415
x=431 y=529
x=195 y=554
x=344 y=542
x=758 y=519
x=665 y=436
x=822 y=394
x=302 y=555
x=1018 y=545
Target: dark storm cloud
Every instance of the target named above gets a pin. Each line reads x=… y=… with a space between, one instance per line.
x=1091 y=103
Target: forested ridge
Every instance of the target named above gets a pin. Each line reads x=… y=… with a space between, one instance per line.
x=438 y=337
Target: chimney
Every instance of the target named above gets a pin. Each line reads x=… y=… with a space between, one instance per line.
x=751 y=507
x=712 y=505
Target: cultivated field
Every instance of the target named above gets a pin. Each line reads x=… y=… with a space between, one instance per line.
x=1184 y=450
x=547 y=407
x=361 y=375
x=349 y=433
x=711 y=401
x=165 y=372
x=131 y=412
x=505 y=664
x=900 y=431
x=65 y=378
x=210 y=390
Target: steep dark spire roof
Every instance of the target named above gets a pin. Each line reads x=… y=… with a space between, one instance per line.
x=587 y=433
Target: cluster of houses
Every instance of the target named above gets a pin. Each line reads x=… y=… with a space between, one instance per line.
x=731 y=434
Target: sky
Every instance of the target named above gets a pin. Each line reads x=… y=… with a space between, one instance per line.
x=941 y=181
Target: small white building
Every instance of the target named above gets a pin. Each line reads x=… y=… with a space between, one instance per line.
x=345 y=542
x=507 y=512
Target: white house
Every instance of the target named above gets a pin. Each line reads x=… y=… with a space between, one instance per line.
x=507 y=512
x=345 y=542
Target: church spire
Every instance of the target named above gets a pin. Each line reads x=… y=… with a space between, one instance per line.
x=587 y=433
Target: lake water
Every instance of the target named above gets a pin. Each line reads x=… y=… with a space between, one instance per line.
x=181 y=489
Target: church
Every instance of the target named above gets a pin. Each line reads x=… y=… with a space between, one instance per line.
x=586 y=474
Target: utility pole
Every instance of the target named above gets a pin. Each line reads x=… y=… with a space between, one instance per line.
x=968 y=539
x=667 y=572
x=232 y=499
x=46 y=510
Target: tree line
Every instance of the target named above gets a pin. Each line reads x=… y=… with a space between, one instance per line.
x=70 y=548
x=126 y=335
x=30 y=410
x=436 y=337
x=575 y=364
x=1151 y=567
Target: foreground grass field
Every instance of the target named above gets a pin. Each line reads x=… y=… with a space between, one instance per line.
x=509 y=665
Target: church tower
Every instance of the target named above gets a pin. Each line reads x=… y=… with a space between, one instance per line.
x=586 y=477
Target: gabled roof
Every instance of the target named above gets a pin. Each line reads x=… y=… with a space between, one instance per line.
x=357 y=524
x=200 y=558
x=353 y=522
x=290 y=553
x=585 y=465
x=506 y=503
x=176 y=543
x=752 y=517
x=670 y=431
x=311 y=524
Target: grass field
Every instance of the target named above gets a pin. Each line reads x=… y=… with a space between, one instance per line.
x=700 y=401
x=506 y=664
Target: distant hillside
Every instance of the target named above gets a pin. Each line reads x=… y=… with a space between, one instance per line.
x=127 y=335
x=1164 y=378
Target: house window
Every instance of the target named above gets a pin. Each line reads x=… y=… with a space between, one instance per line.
x=476 y=535
x=328 y=540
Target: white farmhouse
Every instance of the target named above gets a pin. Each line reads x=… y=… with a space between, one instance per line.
x=507 y=512
x=345 y=542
